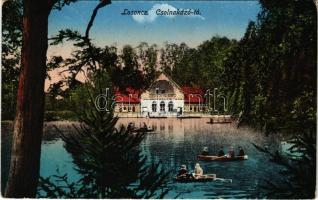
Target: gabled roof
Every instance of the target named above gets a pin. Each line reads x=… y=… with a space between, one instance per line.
x=191 y=94
x=168 y=77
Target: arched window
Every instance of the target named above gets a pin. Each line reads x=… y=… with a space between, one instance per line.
x=170 y=106
x=120 y=109
x=162 y=106
x=154 y=106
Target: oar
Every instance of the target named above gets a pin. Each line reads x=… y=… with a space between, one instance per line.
x=223 y=179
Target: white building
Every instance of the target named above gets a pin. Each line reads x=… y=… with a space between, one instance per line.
x=163 y=98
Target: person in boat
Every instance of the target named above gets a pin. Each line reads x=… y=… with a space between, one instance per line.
x=183 y=172
x=205 y=151
x=221 y=152
x=198 y=171
x=145 y=126
x=130 y=127
x=241 y=152
x=231 y=153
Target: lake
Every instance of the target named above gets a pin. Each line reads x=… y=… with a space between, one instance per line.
x=175 y=142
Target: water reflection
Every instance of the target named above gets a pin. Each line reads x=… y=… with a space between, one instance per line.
x=178 y=142
x=175 y=142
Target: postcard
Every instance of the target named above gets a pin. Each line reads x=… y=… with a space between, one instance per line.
x=159 y=99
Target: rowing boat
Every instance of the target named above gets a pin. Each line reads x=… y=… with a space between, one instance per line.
x=221 y=158
x=144 y=130
x=202 y=178
x=158 y=117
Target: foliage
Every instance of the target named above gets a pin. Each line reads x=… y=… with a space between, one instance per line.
x=10 y=56
x=270 y=79
x=107 y=158
x=59 y=115
x=299 y=174
x=206 y=62
x=128 y=73
x=148 y=59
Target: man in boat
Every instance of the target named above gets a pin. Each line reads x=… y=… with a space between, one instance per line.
x=241 y=152
x=183 y=172
x=221 y=152
x=198 y=171
x=205 y=151
x=231 y=153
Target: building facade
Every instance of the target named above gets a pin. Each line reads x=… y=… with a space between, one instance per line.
x=164 y=98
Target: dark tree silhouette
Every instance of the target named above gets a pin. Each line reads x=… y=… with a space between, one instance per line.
x=28 y=125
x=108 y=159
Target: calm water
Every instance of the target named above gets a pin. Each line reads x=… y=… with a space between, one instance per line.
x=177 y=142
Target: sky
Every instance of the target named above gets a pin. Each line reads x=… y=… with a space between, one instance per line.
x=223 y=18
x=217 y=18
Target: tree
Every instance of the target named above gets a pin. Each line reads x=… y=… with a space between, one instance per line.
x=28 y=125
x=271 y=78
x=170 y=55
x=107 y=158
x=148 y=57
x=11 y=52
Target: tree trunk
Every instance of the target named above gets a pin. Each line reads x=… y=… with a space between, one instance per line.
x=28 y=125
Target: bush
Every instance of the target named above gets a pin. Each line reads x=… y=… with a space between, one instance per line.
x=59 y=115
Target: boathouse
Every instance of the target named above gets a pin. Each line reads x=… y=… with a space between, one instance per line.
x=163 y=97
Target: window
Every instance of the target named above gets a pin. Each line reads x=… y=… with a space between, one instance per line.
x=133 y=109
x=170 y=106
x=162 y=106
x=154 y=106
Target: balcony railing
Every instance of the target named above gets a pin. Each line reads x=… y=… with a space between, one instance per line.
x=162 y=96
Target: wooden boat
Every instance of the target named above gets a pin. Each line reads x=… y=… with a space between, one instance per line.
x=158 y=117
x=144 y=130
x=221 y=158
x=203 y=178
x=220 y=120
x=187 y=117
x=225 y=122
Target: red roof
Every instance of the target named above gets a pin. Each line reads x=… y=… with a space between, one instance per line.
x=195 y=95
x=129 y=95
